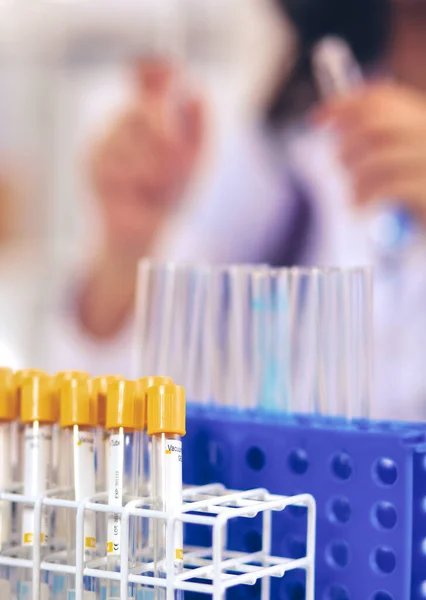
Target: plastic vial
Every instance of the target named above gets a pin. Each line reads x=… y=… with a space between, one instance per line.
x=78 y=423
x=17 y=446
x=8 y=416
x=123 y=418
x=100 y=388
x=166 y=426
x=39 y=412
x=145 y=443
x=60 y=458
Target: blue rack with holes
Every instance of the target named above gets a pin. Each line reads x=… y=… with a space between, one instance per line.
x=369 y=481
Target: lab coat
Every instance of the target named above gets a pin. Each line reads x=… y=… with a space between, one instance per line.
x=243 y=207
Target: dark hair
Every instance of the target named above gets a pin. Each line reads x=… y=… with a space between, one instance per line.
x=364 y=24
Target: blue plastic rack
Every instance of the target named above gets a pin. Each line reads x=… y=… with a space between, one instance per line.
x=369 y=481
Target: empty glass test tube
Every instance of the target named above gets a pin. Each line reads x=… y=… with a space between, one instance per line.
x=123 y=420
x=166 y=426
x=78 y=424
x=39 y=412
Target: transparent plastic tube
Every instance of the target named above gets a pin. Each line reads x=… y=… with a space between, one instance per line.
x=166 y=425
x=100 y=389
x=123 y=422
x=392 y=229
x=60 y=458
x=39 y=412
x=78 y=421
x=304 y=340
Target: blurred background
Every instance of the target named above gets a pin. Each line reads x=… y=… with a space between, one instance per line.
x=200 y=131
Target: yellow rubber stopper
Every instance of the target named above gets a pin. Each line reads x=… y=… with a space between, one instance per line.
x=8 y=400
x=79 y=405
x=37 y=400
x=124 y=405
x=166 y=410
x=143 y=385
x=100 y=389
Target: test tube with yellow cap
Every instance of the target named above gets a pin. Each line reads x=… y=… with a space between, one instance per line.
x=18 y=428
x=166 y=426
x=145 y=442
x=39 y=412
x=123 y=422
x=100 y=389
x=78 y=421
x=60 y=458
x=8 y=415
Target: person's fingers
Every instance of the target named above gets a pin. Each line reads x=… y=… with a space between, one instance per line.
x=154 y=76
x=194 y=117
x=395 y=177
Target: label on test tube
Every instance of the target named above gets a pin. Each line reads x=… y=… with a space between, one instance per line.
x=84 y=469
x=115 y=491
x=38 y=453
x=173 y=476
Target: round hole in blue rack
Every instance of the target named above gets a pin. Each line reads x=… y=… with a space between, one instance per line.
x=253 y=541
x=255 y=458
x=336 y=592
x=381 y=596
x=298 y=461
x=384 y=560
x=385 y=515
x=294 y=546
x=385 y=471
x=337 y=554
x=342 y=466
x=295 y=591
x=339 y=510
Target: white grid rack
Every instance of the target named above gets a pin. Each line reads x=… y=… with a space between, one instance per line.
x=209 y=570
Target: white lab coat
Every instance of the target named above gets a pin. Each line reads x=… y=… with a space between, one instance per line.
x=243 y=205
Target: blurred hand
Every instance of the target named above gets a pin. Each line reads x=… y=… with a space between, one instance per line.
x=382 y=133
x=139 y=171
x=142 y=165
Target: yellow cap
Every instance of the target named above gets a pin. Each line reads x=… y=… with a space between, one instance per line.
x=66 y=376
x=21 y=375
x=8 y=399
x=166 y=409
x=143 y=385
x=100 y=389
x=37 y=401
x=79 y=406
x=124 y=405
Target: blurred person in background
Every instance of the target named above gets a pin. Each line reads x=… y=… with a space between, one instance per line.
x=275 y=190
x=279 y=191
x=80 y=315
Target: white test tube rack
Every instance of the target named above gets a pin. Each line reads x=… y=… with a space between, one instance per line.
x=210 y=505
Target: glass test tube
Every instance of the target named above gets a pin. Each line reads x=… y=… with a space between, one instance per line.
x=60 y=459
x=18 y=435
x=8 y=416
x=166 y=425
x=123 y=421
x=100 y=389
x=39 y=412
x=78 y=422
